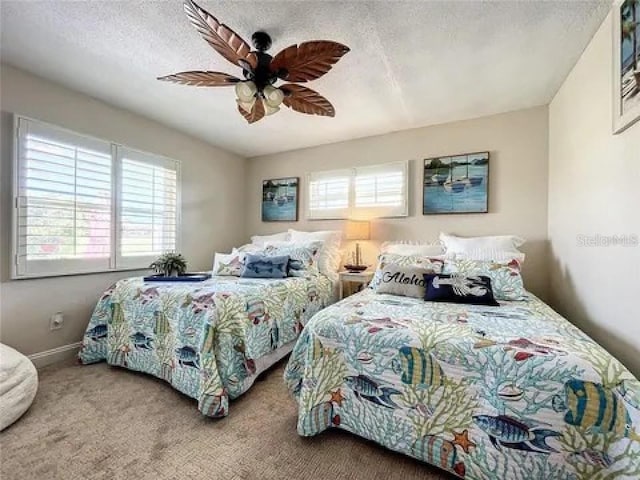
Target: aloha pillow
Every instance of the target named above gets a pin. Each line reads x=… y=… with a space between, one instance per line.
x=505 y=275
x=459 y=289
x=303 y=257
x=228 y=264
x=433 y=264
x=263 y=266
x=407 y=281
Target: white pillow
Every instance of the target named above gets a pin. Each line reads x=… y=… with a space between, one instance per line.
x=481 y=248
x=276 y=237
x=412 y=249
x=230 y=264
x=330 y=255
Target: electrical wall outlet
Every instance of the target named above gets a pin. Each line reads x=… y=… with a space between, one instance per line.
x=56 y=321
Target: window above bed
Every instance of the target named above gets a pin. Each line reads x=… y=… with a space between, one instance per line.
x=371 y=191
x=85 y=205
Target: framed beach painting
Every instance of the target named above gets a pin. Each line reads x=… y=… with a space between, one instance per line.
x=456 y=184
x=626 y=64
x=280 y=199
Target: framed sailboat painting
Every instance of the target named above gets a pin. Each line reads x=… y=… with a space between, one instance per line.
x=456 y=184
x=280 y=199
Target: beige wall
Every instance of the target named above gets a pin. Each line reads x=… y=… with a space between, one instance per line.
x=594 y=180
x=212 y=203
x=518 y=182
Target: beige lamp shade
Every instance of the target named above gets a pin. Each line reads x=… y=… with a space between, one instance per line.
x=357 y=230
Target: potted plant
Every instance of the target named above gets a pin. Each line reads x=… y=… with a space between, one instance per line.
x=170 y=264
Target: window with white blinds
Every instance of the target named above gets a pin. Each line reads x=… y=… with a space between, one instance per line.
x=148 y=215
x=86 y=205
x=328 y=194
x=381 y=190
x=371 y=191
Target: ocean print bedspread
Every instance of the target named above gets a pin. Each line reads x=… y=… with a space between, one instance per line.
x=203 y=338
x=509 y=392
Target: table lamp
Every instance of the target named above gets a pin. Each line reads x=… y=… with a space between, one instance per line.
x=357 y=230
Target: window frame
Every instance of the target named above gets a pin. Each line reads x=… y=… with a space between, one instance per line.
x=352 y=211
x=83 y=266
x=129 y=263
x=331 y=213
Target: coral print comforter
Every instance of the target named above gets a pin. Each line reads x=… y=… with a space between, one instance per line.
x=509 y=392
x=209 y=340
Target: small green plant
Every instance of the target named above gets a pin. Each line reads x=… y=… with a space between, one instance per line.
x=170 y=264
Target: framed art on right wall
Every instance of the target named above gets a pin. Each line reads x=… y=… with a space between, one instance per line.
x=456 y=184
x=626 y=64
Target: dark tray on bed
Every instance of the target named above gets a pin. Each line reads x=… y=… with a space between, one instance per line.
x=187 y=277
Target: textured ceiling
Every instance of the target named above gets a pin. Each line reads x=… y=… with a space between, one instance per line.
x=411 y=63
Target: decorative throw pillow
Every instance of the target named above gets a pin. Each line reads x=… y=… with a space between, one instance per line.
x=459 y=289
x=407 y=281
x=263 y=266
x=228 y=264
x=247 y=248
x=330 y=257
x=303 y=256
x=505 y=276
x=433 y=264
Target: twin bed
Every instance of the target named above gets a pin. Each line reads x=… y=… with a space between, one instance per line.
x=505 y=392
x=514 y=391
x=209 y=340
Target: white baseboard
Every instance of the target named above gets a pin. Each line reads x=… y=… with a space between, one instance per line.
x=42 y=359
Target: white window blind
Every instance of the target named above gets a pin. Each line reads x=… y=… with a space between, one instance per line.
x=382 y=189
x=328 y=194
x=86 y=205
x=371 y=191
x=63 y=202
x=148 y=204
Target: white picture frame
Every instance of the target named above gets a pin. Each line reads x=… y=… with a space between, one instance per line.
x=626 y=79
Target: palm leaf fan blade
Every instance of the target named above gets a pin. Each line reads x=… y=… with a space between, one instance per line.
x=304 y=100
x=307 y=61
x=257 y=112
x=223 y=40
x=201 y=79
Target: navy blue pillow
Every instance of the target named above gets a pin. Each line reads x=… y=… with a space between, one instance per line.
x=261 y=266
x=474 y=290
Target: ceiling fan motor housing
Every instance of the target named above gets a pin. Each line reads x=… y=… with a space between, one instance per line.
x=261 y=41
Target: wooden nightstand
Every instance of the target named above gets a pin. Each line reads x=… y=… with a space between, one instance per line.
x=360 y=279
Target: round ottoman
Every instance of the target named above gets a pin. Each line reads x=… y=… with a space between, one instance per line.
x=18 y=385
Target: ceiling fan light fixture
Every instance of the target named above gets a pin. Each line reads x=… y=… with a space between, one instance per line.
x=246 y=106
x=273 y=96
x=246 y=91
x=269 y=110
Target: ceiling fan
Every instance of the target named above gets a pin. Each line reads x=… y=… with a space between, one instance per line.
x=257 y=94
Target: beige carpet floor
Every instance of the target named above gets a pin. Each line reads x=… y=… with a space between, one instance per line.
x=100 y=422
